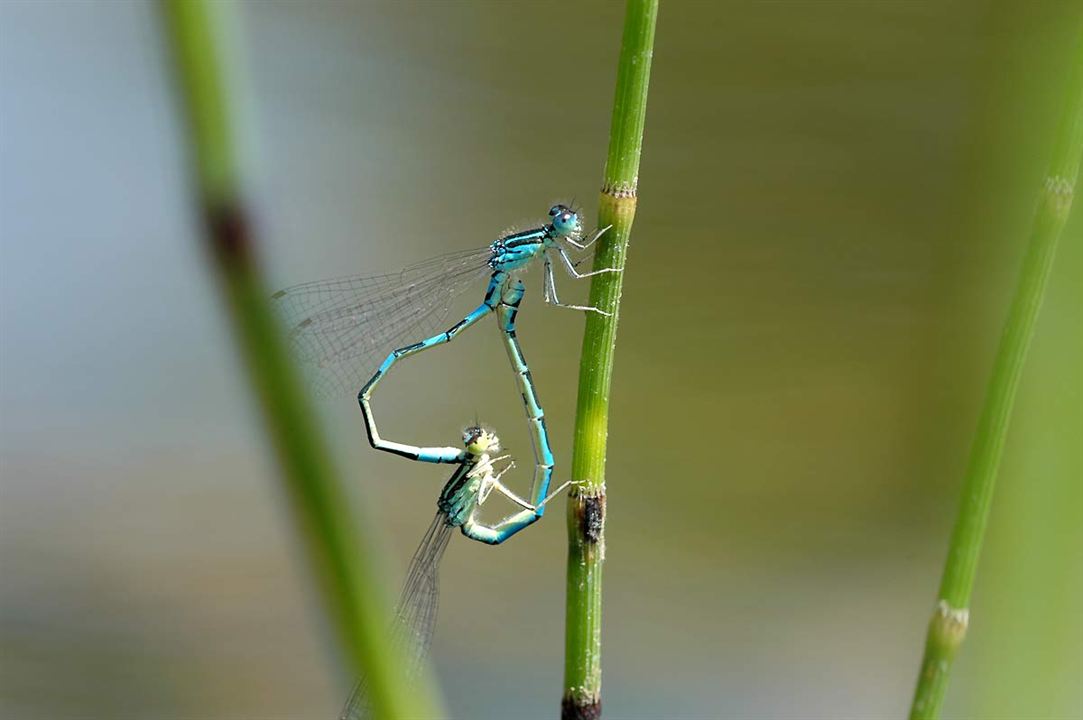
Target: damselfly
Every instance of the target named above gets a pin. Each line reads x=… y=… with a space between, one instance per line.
x=343 y=326
x=470 y=485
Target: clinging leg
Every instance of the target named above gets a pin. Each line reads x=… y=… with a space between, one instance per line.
x=492 y=482
x=588 y=243
x=503 y=490
x=570 y=266
x=551 y=293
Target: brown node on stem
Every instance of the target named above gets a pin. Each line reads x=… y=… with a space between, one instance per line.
x=228 y=232
x=589 y=504
x=572 y=708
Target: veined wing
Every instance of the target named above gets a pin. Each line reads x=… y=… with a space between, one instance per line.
x=345 y=327
x=415 y=616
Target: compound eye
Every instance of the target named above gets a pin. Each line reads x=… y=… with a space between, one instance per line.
x=555 y=210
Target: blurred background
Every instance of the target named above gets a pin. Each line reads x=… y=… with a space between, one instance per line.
x=834 y=199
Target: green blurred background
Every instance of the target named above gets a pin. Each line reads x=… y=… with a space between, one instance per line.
x=834 y=199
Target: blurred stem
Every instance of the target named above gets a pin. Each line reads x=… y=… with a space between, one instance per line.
x=341 y=559
x=948 y=626
x=586 y=506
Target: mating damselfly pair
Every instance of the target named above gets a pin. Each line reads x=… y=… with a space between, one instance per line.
x=344 y=326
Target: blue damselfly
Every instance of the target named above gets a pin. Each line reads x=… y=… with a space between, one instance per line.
x=344 y=326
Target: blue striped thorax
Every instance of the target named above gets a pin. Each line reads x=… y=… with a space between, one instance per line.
x=516 y=250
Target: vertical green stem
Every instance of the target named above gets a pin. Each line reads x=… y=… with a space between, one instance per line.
x=341 y=558
x=586 y=506
x=947 y=628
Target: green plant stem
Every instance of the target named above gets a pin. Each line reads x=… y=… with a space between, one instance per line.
x=340 y=556
x=586 y=506
x=948 y=626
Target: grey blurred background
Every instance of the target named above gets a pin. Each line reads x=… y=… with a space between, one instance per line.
x=834 y=198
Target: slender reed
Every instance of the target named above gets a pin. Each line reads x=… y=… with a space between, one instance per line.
x=948 y=626
x=340 y=556
x=586 y=506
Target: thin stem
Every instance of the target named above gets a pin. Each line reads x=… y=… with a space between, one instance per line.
x=340 y=556
x=949 y=623
x=586 y=507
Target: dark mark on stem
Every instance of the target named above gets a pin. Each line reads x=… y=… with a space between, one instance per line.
x=570 y=709
x=228 y=233
x=592 y=517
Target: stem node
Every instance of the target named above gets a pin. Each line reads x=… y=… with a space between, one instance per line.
x=589 y=509
x=948 y=626
x=1058 y=193
x=580 y=708
x=621 y=189
x=617 y=208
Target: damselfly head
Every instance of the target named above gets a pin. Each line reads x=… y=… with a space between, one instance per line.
x=565 y=221
x=480 y=440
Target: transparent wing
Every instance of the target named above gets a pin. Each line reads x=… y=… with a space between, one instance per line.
x=345 y=327
x=415 y=615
